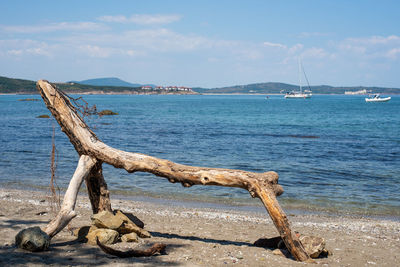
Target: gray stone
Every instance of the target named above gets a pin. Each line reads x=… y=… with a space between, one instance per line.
x=32 y=239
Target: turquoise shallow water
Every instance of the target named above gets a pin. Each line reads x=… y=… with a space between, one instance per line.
x=333 y=153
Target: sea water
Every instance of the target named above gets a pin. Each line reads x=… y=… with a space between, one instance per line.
x=333 y=153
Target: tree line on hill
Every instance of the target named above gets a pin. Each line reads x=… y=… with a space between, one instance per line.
x=281 y=88
x=20 y=86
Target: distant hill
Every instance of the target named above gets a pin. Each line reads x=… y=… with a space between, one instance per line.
x=280 y=88
x=107 y=82
x=256 y=88
x=20 y=86
x=9 y=85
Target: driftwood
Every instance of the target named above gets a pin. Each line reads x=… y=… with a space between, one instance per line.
x=94 y=152
x=97 y=189
x=67 y=213
x=156 y=248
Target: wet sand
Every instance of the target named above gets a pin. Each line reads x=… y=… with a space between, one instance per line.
x=194 y=236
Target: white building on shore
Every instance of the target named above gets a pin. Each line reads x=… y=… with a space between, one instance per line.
x=167 y=88
x=359 y=92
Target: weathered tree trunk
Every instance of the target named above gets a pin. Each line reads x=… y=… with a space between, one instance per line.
x=97 y=189
x=67 y=211
x=262 y=185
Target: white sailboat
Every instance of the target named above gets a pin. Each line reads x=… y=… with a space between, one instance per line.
x=300 y=93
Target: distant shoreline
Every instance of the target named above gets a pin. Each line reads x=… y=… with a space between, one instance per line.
x=126 y=93
x=102 y=93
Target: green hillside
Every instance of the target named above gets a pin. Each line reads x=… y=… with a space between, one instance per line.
x=280 y=88
x=8 y=85
x=80 y=88
x=18 y=86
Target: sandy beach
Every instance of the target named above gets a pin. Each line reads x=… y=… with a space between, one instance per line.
x=194 y=236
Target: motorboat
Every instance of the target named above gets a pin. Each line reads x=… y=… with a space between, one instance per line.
x=377 y=98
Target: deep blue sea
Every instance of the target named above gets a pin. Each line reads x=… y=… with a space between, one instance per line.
x=351 y=165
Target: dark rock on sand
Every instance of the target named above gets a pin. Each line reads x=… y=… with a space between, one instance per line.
x=32 y=239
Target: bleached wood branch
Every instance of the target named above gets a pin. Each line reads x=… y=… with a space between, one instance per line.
x=67 y=211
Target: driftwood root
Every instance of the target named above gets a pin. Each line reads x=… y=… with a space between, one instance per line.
x=156 y=248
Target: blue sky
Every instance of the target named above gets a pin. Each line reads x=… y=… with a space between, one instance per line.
x=202 y=43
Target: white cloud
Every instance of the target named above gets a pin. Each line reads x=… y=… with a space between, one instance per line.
x=359 y=49
x=295 y=48
x=51 y=27
x=393 y=53
x=96 y=51
x=142 y=19
x=149 y=46
x=269 y=44
x=371 y=48
x=375 y=40
x=315 y=52
x=133 y=53
x=39 y=51
x=164 y=40
x=15 y=52
x=20 y=48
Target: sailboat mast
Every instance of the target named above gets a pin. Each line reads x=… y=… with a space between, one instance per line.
x=300 y=75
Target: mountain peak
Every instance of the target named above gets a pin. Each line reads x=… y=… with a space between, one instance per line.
x=109 y=81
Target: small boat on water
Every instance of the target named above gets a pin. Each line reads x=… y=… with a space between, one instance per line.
x=300 y=93
x=377 y=98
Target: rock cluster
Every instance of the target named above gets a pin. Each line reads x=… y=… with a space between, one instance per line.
x=111 y=227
